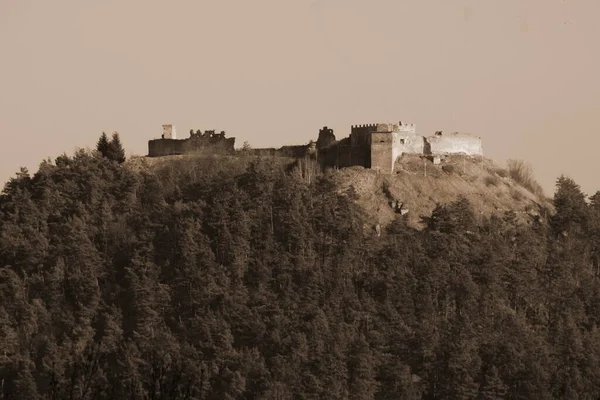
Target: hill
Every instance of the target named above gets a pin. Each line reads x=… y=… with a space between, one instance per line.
x=255 y=278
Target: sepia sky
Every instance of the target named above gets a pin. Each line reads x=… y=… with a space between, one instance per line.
x=523 y=74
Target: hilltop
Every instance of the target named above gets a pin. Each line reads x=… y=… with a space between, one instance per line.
x=418 y=186
x=414 y=190
x=391 y=169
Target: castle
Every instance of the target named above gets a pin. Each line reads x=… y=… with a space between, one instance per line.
x=376 y=146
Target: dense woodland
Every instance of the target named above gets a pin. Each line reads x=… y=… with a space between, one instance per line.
x=224 y=278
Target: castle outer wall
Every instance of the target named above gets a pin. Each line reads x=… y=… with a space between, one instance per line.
x=196 y=144
x=409 y=144
x=165 y=147
x=454 y=143
x=375 y=146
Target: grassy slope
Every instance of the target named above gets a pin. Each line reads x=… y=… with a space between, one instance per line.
x=417 y=183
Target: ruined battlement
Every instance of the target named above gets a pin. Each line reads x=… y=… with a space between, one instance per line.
x=169 y=132
x=384 y=127
x=326 y=138
x=375 y=146
x=454 y=143
x=198 y=142
x=364 y=126
x=408 y=128
x=379 y=145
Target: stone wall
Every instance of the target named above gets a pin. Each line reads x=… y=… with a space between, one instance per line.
x=375 y=146
x=285 y=151
x=349 y=156
x=360 y=134
x=328 y=156
x=165 y=147
x=209 y=143
x=294 y=151
x=406 y=144
x=326 y=138
x=454 y=143
x=408 y=129
x=217 y=144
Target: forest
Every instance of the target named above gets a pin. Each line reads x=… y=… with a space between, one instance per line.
x=231 y=278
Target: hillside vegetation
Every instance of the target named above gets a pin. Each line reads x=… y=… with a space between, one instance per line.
x=245 y=278
x=419 y=186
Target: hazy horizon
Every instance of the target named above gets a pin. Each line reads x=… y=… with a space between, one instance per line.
x=520 y=74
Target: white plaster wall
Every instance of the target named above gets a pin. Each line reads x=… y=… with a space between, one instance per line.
x=412 y=145
x=409 y=129
x=455 y=143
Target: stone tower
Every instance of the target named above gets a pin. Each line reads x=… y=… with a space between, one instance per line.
x=169 y=132
x=326 y=138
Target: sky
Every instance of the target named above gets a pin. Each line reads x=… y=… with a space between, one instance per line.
x=522 y=74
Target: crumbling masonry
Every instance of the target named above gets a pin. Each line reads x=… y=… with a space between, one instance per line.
x=375 y=146
x=378 y=146
x=198 y=142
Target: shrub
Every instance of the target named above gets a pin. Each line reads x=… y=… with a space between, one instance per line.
x=516 y=194
x=522 y=173
x=491 y=180
x=501 y=172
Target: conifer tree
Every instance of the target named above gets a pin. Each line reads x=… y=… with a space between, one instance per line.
x=493 y=387
x=103 y=145
x=116 y=152
x=594 y=231
x=571 y=208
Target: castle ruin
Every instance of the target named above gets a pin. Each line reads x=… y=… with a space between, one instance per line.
x=376 y=146
x=198 y=142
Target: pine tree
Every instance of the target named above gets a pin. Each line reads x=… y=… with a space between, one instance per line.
x=103 y=145
x=25 y=385
x=571 y=208
x=594 y=232
x=493 y=387
x=116 y=152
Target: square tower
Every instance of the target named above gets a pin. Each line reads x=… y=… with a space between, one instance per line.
x=169 y=132
x=382 y=151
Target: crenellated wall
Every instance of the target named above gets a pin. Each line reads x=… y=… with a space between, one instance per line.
x=385 y=142
x=209 y=142
x=360 y=134
x=375 y=146
x=410 y=129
